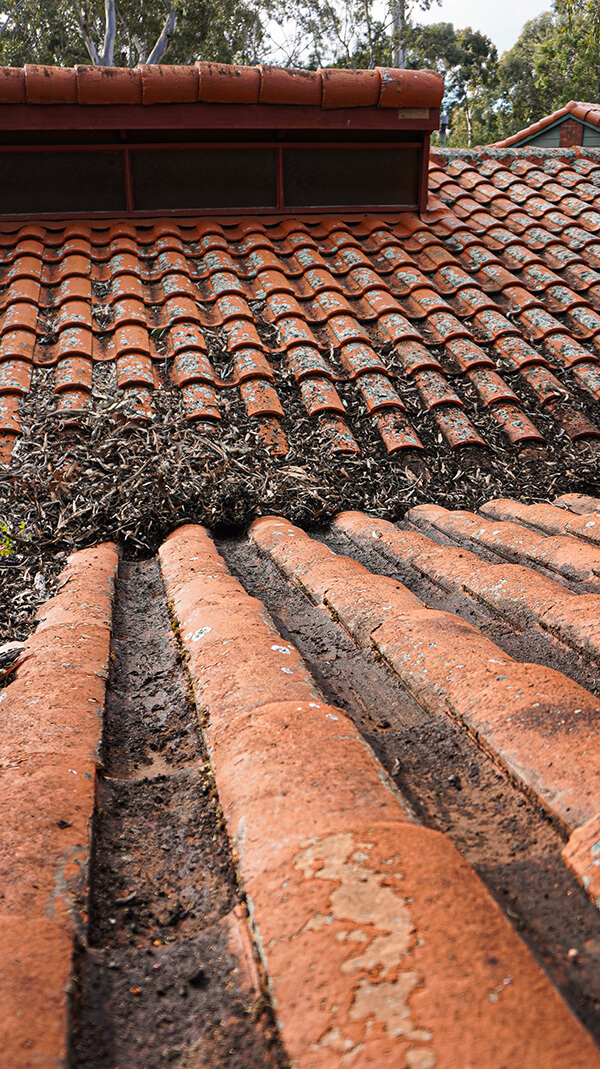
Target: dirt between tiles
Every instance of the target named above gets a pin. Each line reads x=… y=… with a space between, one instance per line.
x=450 y=783
x=167 y=977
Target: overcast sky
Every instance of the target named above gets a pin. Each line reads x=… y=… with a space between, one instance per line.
x=502 y=20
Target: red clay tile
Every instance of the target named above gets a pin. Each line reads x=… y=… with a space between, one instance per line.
x=109 y=85
x=456 y=428
x=74 y=341
x=435 y=390
x=17 y=344
x=491 y=388
x=378 y=393
x=397 y=328
x=573 y=422
x=12 y=85
x=70 y=266
x=135 y=369
x=165 y=84
x=127 y=286
x=306 y=854
x=23 y=289
x=410 y=89
x=350 y=88
x=306 y=361
x=396 y=432
x=547 y=518
x=575 y=561
x=187 y=336
x=224 y=84
x=51 y=732
x=183 y=310
x=281 y=85
x=516 y=426
x=74 y=289
x=200 y=402
x=280 y=305
x=344 y=328
x=72 y=372
x=192 y=366
x=139 y=403
x=319 y=395
x=131 y=339
x=72 y=403
x=10 y=420
x=545 y=386
x=337 y=434
x=515 y=593
x=353 y=285
x=221 y=83
x=356 y=359
x=21 y=316
x=578 y=503
x=273 y=438
x=75 y=314
x=50 y=85
x=15 y=377
x=260 y=398
x=252 y=364
x=130 y=310
x=582 y=855
x=242 y=334
x=449 y=666
x=567 y=350
x=414 y=357
x=443 y=328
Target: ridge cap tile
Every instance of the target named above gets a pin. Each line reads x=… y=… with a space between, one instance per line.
x=214 y=82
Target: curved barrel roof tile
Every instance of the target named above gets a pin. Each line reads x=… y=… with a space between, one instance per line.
x=221 y=83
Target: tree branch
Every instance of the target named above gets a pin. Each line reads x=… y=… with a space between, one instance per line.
x=163 y=41
x=141 y=49
x=10 y=18
x=108 y=52
x=85 y=33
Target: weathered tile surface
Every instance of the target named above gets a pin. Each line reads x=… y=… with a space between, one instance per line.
x=493 y=279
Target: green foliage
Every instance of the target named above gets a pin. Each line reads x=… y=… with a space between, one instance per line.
x=555 y=59
x=523 y=100
x=48 y=31
x=345 y=33
x=468 y=62
x=9 y=538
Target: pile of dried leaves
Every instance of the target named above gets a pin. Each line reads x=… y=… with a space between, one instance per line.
x=115 y=479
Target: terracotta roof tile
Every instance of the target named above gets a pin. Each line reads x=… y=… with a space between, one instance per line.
x=476 y=320
x=488 y=297
x=51 y=726
x=324 y=840
x=292 y=835
x=585 y=112
x=220 y=83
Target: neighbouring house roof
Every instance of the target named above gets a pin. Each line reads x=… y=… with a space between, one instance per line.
x=354 y=688
x=568 y=123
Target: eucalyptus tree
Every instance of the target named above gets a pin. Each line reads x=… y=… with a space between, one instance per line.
x=128 y=32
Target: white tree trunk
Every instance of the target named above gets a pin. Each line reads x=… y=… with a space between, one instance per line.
x=106 y=57
x=399 y=29
x=85 y=33
x=108 y=52
x=163 y=41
